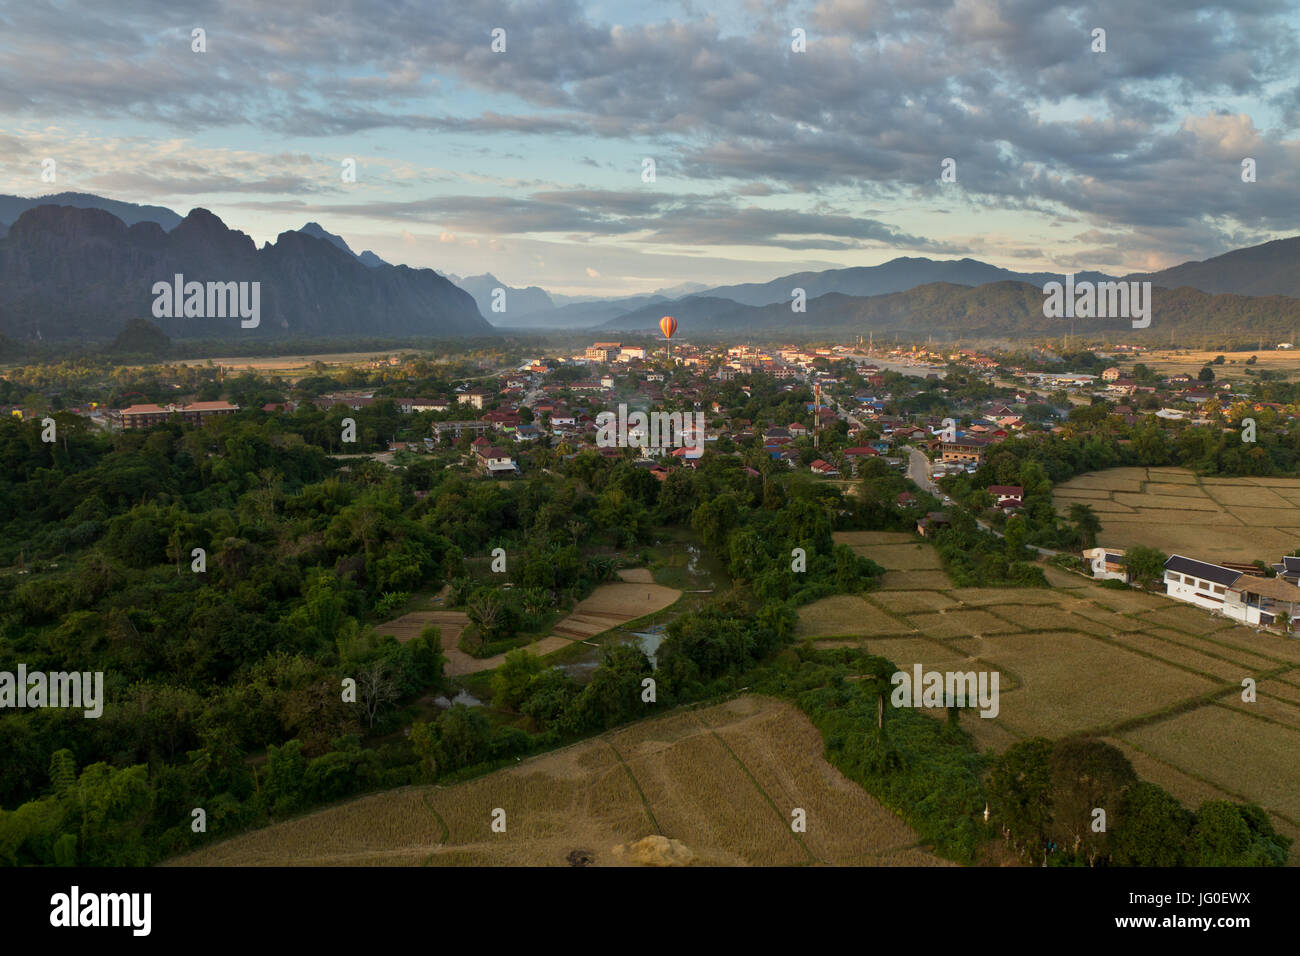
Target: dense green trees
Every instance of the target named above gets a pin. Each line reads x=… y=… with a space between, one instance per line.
x=1077 y=801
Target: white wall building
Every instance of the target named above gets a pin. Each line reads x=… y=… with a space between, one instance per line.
x=1106 y=563
x=1197 y=582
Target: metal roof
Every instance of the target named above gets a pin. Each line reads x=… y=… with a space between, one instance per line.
x=1200 y=569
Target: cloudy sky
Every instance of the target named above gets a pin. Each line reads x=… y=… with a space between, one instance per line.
x=528 y=163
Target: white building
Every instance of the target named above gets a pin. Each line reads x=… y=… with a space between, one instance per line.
x=1106 y=563
x=1197 y=582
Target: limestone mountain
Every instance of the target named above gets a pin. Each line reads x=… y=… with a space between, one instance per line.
x=72 y=273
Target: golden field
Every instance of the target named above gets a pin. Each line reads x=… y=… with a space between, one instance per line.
x=723 y=780
x=1160 y=679
x=1211 y=519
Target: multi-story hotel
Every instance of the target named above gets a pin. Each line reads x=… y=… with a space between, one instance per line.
x=146 y=416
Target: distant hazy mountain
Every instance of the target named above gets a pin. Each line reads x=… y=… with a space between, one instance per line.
x=518 y=302
x=4 y=229
x=1000 y=309
x=1270 y=269
x=897 y=275
x=11 y=207
x=71 y=273
x=695 y=312
x=368 y=258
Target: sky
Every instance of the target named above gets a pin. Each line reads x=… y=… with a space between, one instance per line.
x=529 y=163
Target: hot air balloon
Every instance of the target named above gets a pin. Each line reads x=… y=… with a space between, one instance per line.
x=668 y=325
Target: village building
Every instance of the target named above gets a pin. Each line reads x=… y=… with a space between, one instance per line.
x=146 y=416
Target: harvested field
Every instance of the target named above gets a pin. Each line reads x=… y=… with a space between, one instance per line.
x=1239 y=753
x=609 y=606
x=1185 y=656
x=902 y=557
x=961 y=623
x=1171 y=509
x=844 y=822
x=1071 y=682
x=410 y=625
x=907 y=602
x=762 y=757
x=1064 y=579
x=987 y=732
x=983 y=596
x=846 y=614
x=1036 y=617
x=1279 y=711
x=627 y=601
x=1211 y=645
x=1185 y=788
x=915 y=581
x=856 y=539
x=1126 y=602
x=1272 y=646
x=904 y=652
x=1184 y=617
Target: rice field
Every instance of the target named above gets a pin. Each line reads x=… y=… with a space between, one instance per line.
x=723 y=780
x=1212 y=519
x=909 y=602
x=846 y=614
x=1238 y=753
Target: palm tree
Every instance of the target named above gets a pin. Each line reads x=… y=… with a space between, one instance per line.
x=1087 y=522
x=484 y=610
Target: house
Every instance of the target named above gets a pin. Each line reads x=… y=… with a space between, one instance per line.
x=603 y=351
x=1110 y=375
x=1007 y=496
x=1106 y=563
x=475 y=397
x=455 y=429
x=1198 y=582
x=963 y=450
x=820 y=467
x=1261 y=601
x=797 y=430
x=1288 y=569
x=408 y=405
x=493 y=460
x=931 y=523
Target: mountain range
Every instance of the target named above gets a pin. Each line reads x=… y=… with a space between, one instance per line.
x=315 y=285
x=994 y=310
x=77 y=273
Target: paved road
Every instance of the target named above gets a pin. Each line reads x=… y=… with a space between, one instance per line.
x=918 y=469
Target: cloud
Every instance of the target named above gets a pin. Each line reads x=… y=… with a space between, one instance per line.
x=1142 y=141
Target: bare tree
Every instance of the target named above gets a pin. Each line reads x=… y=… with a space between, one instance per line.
x=377 y=688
